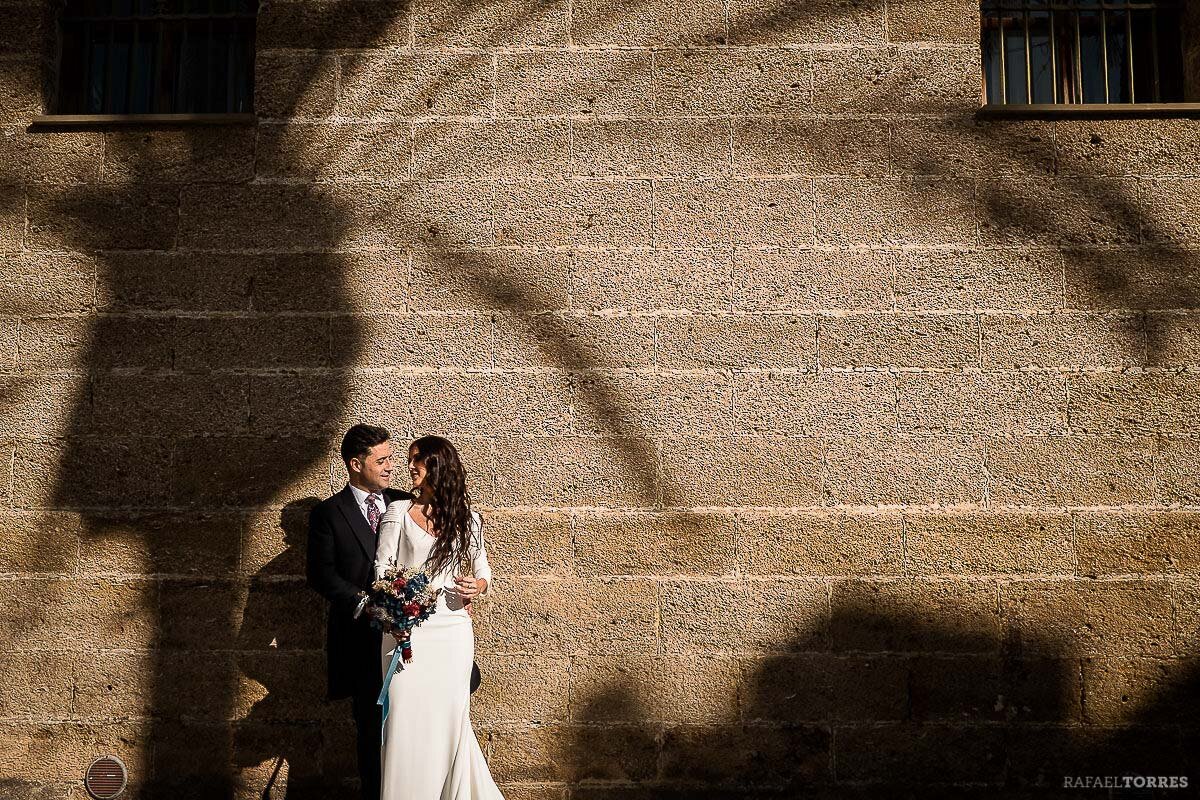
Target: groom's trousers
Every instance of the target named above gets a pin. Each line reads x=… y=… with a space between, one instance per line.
x=368 y=719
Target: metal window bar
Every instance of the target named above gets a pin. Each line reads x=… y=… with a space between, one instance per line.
x=102 y=74
x=1011 y=18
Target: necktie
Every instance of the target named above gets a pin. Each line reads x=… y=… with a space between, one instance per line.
x=373 y=514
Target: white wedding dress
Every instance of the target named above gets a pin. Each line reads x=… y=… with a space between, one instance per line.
x=429 y=748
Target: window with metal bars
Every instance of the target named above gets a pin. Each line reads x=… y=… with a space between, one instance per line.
x=156 y=57
x=1082 y=51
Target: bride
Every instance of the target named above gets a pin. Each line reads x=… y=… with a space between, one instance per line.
x=429 y=749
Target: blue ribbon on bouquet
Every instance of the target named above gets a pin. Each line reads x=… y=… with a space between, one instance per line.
x=397 y=662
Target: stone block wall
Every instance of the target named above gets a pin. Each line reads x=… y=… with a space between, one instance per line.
x=831 y=441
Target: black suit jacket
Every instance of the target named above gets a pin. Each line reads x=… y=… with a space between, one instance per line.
x=341 y=563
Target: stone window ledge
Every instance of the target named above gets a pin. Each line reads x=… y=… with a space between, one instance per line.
x=1088 y=110
x=47 y=121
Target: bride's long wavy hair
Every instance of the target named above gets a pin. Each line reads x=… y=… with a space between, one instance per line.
x=450 y=506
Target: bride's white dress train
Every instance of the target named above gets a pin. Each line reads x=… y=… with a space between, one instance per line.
x=429 y=748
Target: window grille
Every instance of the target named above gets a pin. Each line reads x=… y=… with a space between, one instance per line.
x=1082 y=51
x=156 y=57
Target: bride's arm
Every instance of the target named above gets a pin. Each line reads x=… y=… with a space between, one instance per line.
x=479 y=565
x=387 y=549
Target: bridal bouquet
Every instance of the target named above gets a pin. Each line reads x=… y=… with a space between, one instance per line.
x=398 y=602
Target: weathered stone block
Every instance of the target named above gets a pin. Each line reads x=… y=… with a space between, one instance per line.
x=956 y=688
x=741 y=754
x=217 y=154
x=1070 y=471
x=333 y=25
x=933 y=21
x=252 y=343
x=966 y=146
x=375 y=152
x=913 y=615
x=574 y=82
x=1136 y=404
x=1063 y=340
x=463 y=341
x=896 y=80
x=775 y=146
x=390 y=83
x=39 y=683
x=511 y=23
x=820 y=687
x=79 y=614
x=607 y=616
x=1121 y=543
x=1065 y=211
x=1167 y=209
x=521 y=689
x=515 y=281
x=168 y=406
x=1141 y=277
x=167 y=281
x=1120 y=691
x=62 y=157
x=938 y=280
x=725 y=341
x=640 y=147
x=1087 y=618
x=39 y=542
x=899 y=340
x=80 y=217
x=1177 y=468
x=1009 y=404
x=574 y=341
x=744 y=213
x=662 y=280
x=643 y=687
x=654 y=544
x=106 y=472
x=635 y=404
x=529 y=543
x=43 y=406
x=738 y=82
x=241 y=471
x=964 y=544
x=894 y=211
x=513 y=404
x=760 y=615
x=576 y=471
x=652 y=24
x=802 y=280
x=503 y=148
x=574 y=753
x=741 y=471
x=814 y=404
x=294 y=84
x=588 y=214
x=922 y=754
x=824 y=22
x=1136 y=147
x=1172 y=339
x=82 y=343
x=130 y=543
x=819 y=543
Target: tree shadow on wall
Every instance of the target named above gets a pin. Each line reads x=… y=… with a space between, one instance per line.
x=891 y=706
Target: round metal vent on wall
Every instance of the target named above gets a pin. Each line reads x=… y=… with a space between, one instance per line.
x=106 y=778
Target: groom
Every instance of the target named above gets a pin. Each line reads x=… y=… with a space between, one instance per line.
x=341 y=561
x=341 y=564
